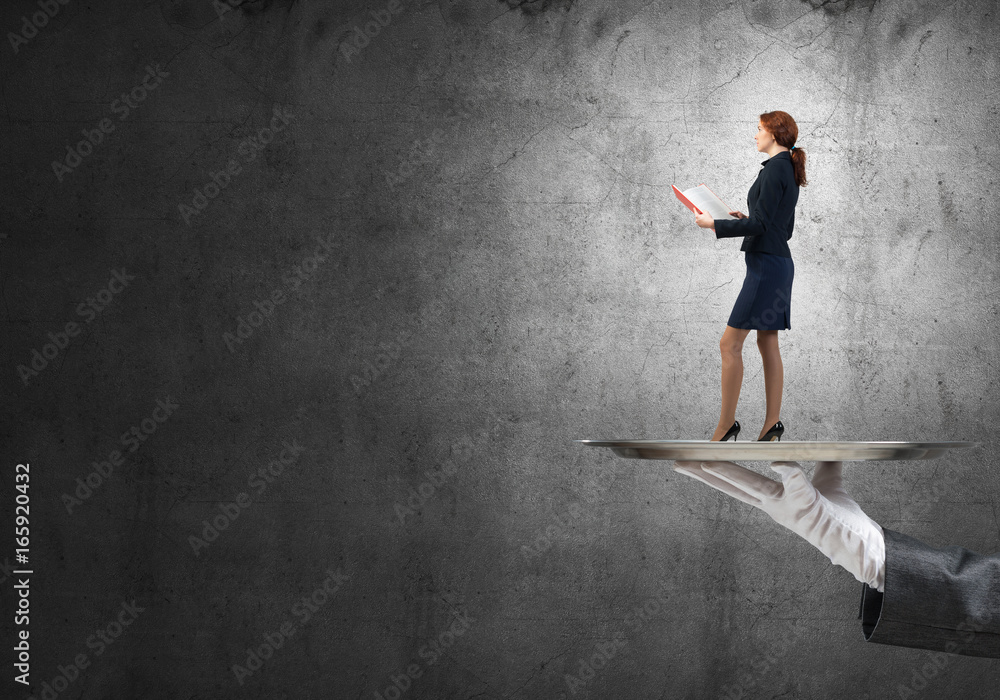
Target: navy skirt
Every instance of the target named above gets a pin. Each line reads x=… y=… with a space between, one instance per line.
x=765 y=302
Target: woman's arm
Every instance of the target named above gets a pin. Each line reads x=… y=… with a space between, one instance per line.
x=761 y=213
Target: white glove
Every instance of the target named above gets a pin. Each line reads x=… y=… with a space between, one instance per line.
x=820 y=512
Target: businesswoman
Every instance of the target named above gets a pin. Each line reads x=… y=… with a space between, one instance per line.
x=764 y=303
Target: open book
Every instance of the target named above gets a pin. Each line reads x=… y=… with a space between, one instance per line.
x=701 y=199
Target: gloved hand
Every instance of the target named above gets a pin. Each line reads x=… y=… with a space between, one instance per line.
x=820 y=512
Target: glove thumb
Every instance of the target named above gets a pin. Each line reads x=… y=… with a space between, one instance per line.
x=796 y=484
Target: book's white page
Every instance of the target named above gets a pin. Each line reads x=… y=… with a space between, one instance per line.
x=703 y=198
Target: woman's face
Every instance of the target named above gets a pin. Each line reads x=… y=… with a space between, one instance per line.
x=763 y=138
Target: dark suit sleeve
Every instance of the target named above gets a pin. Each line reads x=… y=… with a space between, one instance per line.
x=759 y=219
x=942 y=599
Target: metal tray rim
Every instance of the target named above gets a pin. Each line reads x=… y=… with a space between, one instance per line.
x=772 y=451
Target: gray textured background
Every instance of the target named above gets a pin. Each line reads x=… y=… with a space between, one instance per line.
x=507 y=271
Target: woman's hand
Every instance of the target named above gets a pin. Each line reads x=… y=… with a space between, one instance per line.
x=704 y=220
x=738 y=215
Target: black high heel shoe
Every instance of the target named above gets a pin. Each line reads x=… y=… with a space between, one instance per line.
x=774 y=433
x=734 y=431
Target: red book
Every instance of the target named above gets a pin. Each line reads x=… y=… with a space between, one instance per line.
x=701 y=199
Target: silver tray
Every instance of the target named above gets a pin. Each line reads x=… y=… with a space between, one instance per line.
x=781 y=450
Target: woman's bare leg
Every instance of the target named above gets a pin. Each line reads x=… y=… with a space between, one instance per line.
x=731 y=347
x=774 y=377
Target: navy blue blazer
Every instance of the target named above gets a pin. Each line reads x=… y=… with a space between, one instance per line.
x=770 y=210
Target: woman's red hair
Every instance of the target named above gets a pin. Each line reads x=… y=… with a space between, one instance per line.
x=785 y=131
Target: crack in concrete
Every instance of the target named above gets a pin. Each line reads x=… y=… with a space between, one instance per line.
x=531 y=8
x=740 y=71
x=810 y=43
x=517 y=151
x=590 y=119
x=537 y=669
x=925 y=37
x=211 y=143
x=618 y=45
x=716 y=288
x=611 y=167
x=834 y=110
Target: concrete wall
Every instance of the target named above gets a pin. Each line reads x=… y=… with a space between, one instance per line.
x=456 y=252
